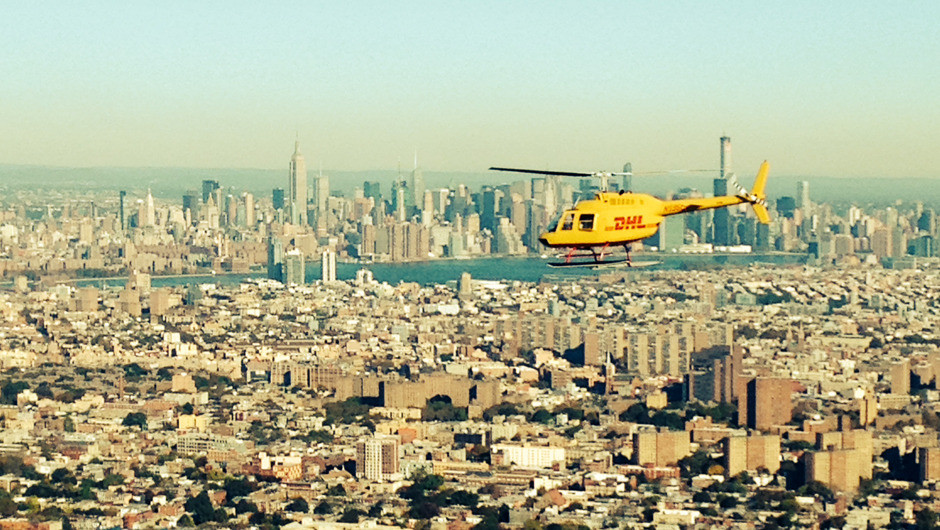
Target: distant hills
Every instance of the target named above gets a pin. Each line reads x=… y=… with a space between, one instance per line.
x=172 y=182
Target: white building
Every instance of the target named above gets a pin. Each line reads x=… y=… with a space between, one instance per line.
x=530 y=456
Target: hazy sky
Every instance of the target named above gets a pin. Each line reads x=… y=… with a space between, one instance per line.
x=819 y=88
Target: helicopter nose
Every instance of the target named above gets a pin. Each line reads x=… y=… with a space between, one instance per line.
x=543 y=240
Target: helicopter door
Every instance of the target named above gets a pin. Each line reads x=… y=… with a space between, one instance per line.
x=586 y=222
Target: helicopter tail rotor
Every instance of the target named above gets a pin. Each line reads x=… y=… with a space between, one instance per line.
x=756 y=197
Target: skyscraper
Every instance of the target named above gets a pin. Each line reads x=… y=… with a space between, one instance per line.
x=416 y=185
x=722 y=216
x=249 y=202
x=277 y=198
x=191 y=203
x=328 y=266
x=275 y=258
x=321 y=193
x=490 y=208
x=146 y=215
x=802 y=196
x=208 y=186
x=293 y=268
x=372 y=189
x=725 y=157
x=627 y=183
x=123 y=212
x=671 y=234
x=297 y=187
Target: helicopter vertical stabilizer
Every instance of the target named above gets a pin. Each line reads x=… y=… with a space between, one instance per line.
x=760 y=207
x=756 y=196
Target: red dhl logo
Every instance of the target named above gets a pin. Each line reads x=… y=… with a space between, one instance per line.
x=621 y=223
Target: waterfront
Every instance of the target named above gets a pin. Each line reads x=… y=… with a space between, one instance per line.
x=528 y=269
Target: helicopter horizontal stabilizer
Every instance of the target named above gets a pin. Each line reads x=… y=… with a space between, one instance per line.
x=757 y=192
x=761 y=211
x=756 y=197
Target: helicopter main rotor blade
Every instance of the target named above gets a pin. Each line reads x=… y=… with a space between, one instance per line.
x=602 y=174
x=669 y=172
x=543 y=172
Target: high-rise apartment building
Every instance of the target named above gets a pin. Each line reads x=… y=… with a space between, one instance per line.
x=660 y=448
x=766 y=402
x=377 y=458
x=750 y=453
x=900 y=376
x=328 y=266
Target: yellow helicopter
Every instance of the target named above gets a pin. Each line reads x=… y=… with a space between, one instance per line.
x=617 y=219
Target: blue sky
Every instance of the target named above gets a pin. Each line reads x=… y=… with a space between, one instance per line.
x=819 y=88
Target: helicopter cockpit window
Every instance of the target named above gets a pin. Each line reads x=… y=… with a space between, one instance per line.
x=586 y=221
x=568 y=222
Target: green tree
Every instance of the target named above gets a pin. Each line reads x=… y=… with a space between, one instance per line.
x=336 y=490
x=44 y=391
x=817 y=488
x=318 y=437
x=925 y=519
x=245 y=506
x=10 y=390
x=298 y=505
x=201 y=508
x=134 y=371
x=138 y=419
x=463 y=498
x=112 y=479
x=424 y=510
x=346 y=412
x=351 y=515
x=542 y=416
x=443 y=411
x=7 y=506
x=235 y=488
x=63 y=476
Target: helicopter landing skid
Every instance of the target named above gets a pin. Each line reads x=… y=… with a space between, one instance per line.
x=597 y=258
x=590 y=263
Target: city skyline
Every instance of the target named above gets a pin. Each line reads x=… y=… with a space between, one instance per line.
x=818 y=90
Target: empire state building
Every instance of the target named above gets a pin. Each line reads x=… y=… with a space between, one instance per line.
x=297 y=187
